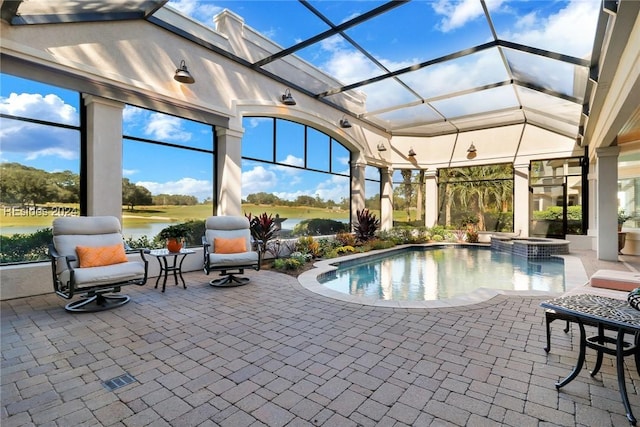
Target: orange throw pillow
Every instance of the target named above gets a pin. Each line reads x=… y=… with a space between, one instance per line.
x=229 y=246
x=100 y=256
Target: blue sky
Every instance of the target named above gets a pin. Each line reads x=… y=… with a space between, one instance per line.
x=422 y=30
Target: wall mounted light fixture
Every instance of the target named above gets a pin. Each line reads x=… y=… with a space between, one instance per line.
x=381 y=146
x=471 y=149
x=411 y=152
x=182 y=75
x=344 y=122
x=471 y=152
x=287 y=98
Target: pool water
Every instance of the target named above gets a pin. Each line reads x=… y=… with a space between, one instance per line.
x=435 y=273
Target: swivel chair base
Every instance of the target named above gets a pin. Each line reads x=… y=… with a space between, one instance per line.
x=97 y=302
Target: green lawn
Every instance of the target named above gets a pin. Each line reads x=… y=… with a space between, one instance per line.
x=144 y=215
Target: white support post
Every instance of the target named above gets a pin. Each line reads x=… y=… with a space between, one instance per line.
x=104 y=156
x=431 y=198
x=521 y=200
x=386 y=198
x=607 y=204
x=229 y=171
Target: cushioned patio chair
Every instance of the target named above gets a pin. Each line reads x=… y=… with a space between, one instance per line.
x=228 y=249
x=89 y=258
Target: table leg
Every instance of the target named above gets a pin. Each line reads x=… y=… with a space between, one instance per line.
x=576 y=370
x=636 y=342
x=166 y=273
x=160 y=273
x=174 y=269
x=621 y=382
x=184 y=285
x=598 y=365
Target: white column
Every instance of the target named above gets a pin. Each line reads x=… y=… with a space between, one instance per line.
x=592 y=225
x=607 y=204
x=357 y=187
x=386 y=198
x=521 y=199
x=229 y=171
x=104 y=156
x=431 y=198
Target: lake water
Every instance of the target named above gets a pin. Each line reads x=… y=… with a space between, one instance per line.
x=150 y=230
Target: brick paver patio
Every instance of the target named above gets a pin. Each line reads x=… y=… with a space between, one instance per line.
x=272 y=353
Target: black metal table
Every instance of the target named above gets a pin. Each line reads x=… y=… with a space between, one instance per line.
x=175 y=266
x=606 y=314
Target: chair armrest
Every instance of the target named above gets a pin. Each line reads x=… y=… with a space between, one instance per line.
x=141 y=251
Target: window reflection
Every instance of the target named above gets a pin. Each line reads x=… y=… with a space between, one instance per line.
x=308 y=180
x=40 y=166
x=177 y=186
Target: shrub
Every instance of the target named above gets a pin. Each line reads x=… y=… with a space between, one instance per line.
x=326 y=246
x=375 y=244
x=345 y=249
x=366 y=225
x=143 y=242
x=346 y=239
x=26 y=247
x=472 y=236
x=437 y=238
x=438 y=230
x=308 y=245
x=319 y=227
x=287 y=264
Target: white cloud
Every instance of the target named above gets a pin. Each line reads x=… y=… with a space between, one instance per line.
x=293 y=161
x=129 y=172
x=258 y=179
x=202 y=11
x=559 y=32
x=456 y=14
x=334 y=188
x=48 y=107
x=184 y=186
x=35 y=140
x=164 y=127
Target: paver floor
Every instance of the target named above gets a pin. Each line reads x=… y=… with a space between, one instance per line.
x=272 y=353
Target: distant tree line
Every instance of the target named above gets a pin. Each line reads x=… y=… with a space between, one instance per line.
x=263 y=198
x=27 y=186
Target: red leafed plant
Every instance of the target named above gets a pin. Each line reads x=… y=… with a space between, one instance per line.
x=263 y=228
x=366 y=225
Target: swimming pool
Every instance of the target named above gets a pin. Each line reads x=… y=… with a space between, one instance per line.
x=440 y=275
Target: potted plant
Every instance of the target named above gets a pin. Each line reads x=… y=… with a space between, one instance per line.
x=174 y=236
x=622 y=218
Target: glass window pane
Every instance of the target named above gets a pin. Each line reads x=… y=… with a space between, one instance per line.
x=176 y=187
x=372 y=189
x=317 y=150
x=257 y=141
x=477 y=102
x=152 y=125
x=34 y=100
x=482 y=195
x=340 y=158
x=289 y=143
x=408 y=197
x=293 y=194
x=40 y=168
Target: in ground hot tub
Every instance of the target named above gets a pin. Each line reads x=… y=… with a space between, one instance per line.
x=531 y=248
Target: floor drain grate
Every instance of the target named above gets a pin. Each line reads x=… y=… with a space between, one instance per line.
x=118 y=382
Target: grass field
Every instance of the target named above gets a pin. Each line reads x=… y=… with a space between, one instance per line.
x=42 y=218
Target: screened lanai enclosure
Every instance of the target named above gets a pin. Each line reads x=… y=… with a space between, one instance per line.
x=513 y=116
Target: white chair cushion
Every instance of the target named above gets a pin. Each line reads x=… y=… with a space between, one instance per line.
x=245 y=258
x=96 y=276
